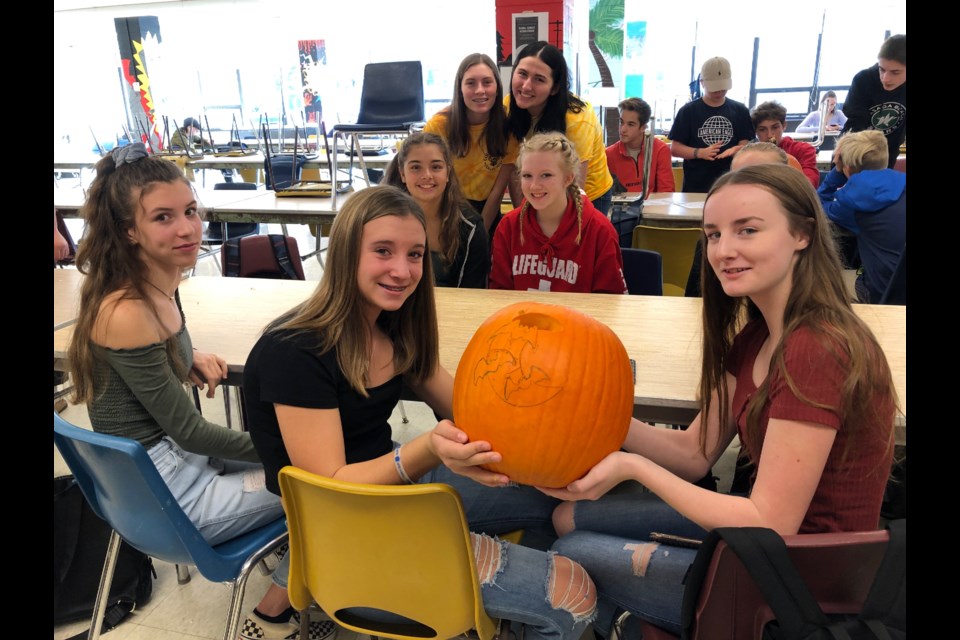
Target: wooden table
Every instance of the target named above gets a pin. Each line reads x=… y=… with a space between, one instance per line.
x=66 y=295
x=69 y=199
x=265 y=206
x=673 y=210
x=662 y=334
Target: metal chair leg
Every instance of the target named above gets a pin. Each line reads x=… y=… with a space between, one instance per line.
x=183 y=574
x=106 y=580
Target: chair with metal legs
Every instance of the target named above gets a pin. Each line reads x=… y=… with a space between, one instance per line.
x=124 y=488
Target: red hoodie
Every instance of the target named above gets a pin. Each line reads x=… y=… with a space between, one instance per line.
x=558 y=263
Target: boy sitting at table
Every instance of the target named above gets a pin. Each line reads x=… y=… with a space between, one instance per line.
x=626 y=158
x=869 y=200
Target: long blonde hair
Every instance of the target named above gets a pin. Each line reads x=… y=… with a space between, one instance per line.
x=108 y=259
x=569 y=161
x=818 y=301
x=335 y=311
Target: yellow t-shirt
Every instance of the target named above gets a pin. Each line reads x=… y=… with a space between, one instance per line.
x=583 y=130
x=477 y=172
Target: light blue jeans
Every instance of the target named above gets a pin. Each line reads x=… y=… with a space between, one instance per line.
x=518 y=583
x=223 y=498
x=612 y=542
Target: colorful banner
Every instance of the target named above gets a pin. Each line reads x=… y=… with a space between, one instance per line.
x=313 y=54
x=134 y=36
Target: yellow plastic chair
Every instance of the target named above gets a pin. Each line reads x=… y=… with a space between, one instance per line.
x=677 y=246
x=402 y=549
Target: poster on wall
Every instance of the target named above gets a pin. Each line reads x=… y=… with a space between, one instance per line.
x=313 y=56
x=528 y=27
x=135 y=37
x=606 y=43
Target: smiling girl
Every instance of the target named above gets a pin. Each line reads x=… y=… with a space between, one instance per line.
x=455 y=234
x=131 y=354
x=556 y=240
x=540 y=100
x=324 y=378
x=474 y=127
x=788 y=368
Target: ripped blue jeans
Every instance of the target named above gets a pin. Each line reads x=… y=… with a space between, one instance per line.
x=553 y=597
x=611 y=542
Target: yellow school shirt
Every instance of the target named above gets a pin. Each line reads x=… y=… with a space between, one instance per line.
x=477 y=172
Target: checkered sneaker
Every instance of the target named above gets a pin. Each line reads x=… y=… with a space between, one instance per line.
x=323 y=629
x=256 y=628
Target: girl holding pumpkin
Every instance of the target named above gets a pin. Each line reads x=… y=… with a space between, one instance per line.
x=457 y=237
x=556 y=240
x=788 y=368
x=323 y=379
x=474 y=127
x=540 y=100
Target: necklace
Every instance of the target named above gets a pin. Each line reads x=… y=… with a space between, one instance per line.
x=159 y=289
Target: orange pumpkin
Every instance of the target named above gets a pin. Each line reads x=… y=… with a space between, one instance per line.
x=549 y=388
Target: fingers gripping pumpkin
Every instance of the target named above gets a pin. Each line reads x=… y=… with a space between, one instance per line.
x=550 y=388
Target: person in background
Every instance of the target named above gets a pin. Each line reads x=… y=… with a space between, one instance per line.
x=835 y=117
x=868 y=199
x=323 y=379
x=769 y=120
x=626 y=156
x=708 y=131
x=759 y=153
x=187 y=137
x=540 y=100
x=131 y=353
x=878 y=97
x=556 y=240
x=455 y=233
x=788 y=368
x=474 y=127
x=61 y=247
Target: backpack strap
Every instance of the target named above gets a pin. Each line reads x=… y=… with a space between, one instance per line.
x=886 y=603
x=230 y=252
x=282 y=254
x=114 y=615
x=764 y=555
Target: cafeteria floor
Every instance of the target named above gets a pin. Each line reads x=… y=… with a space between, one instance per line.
x=197 y=610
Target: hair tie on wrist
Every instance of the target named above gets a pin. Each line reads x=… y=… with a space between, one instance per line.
x=129 y=153
x=400 y=470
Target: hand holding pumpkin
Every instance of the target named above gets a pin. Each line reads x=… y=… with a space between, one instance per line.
x=602 y=477
x=463 y=457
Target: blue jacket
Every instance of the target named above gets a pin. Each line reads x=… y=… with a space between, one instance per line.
x=873 y=204
x=864 y=192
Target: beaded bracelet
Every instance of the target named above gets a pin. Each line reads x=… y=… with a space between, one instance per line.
x=400 y=470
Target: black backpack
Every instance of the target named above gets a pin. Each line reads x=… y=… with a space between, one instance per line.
x=798 y=616
x=80 y=541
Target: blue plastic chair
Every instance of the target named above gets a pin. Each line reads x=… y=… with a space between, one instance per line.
x=124 y=488
x=643 y=271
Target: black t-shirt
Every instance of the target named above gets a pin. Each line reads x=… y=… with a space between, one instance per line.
x=869 y=106
x=699 y=125
x=286 y=368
